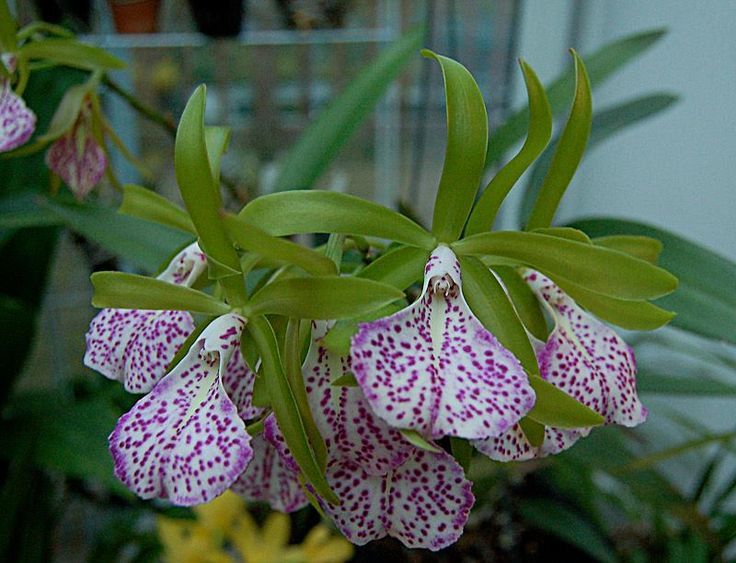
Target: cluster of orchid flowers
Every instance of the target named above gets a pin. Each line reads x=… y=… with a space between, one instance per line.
x=299 y=377
x=76 y=137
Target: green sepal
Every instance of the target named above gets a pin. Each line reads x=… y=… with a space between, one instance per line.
x=533 y=431
x=465 y=151
x=400 y=267
x=70 y=52
x=130 y=291
x=322 y=297
x=554 y=407
x=66 y=113
x=345 y=380
x=525 y=302
x=252 y=238
x=316 y=211
x=644 y=248
x=146 y=204
x=462 y=451
x=202 y=196
x=593 y=267
x=568 y=153
x=8 y=27
x=416 y=439
x=285 y=407
x=216 y=140
x=566 y=232
x=489 y=302
x=540 y=130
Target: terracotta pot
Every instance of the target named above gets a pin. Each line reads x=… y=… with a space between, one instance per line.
x=135 y=16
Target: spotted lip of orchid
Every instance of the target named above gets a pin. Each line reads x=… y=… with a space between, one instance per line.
x=77 y=158
x=434 y=368
x=587 y=360
x=185 y=440
x=17 y=121
x=386 y=486
x=136 y=346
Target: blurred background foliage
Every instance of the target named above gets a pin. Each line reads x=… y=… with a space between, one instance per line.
x=340 y=100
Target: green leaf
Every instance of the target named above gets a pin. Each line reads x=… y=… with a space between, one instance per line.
x=70 y=52
x=143 y=244
x=8 y=27
x=324 y=138
x=705 y=301
x=572 y=527
x=554 y=407
x=252 y=238
x=200 y=193
x=66 y=113
x=631 y=315
x=606 y=123
x=540 y=131
x=146 y=204
x=533 y=431
x=285 y=406
x=658 y=384
x=593 y=267
x=644 y=248
x=416 y=439
x=22 y=210
x=565 y=232
x=323 y=298
x=465 y=151
x=217 y=140
x=488 y=300
x=315 y=211
x=131 y=291
x=400 y=267
x=345 y=380
x=568 y=151
x=525 y=302
x=602 y=64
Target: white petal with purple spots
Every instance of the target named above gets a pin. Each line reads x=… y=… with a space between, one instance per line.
x=17 y=121
x=184 y=441
x=434 y=368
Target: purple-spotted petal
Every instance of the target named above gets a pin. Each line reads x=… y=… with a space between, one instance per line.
x=17 y=121
x=514 y=446
x=153 y=346
x=108 y=335
x=186 y=266
x=81 y=164
x=434 y=368
x=270 y=478
x=238 y=380
x=587 y=359
x=185 y=441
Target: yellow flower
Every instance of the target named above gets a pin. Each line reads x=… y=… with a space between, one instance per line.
x=187 y=541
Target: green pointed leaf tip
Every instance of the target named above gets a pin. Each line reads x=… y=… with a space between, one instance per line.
x=70 y=52
x=217 y=140
x=595 y=268
x=568 y=153
x=317 y=211
x=324 y=138
x=198 y=189
x=131 y=291
x=146 y=204
x=465 y=152
x=252 y=238
x=323 y=297
x=540 y=131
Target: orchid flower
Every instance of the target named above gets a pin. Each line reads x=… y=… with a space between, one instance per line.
x=185 y=440
x=587 y=360
x=17 y=121
x=386 y=485
x=434 y=368
x=136 y=346
x=76 y=157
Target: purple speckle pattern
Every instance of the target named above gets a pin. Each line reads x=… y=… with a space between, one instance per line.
x=271 y=476
x=184 y=441
x=17 y=121
x=238 y=381
x=136 y=346
x=586 y=359
x=434 y=368
x=386 y=486
x=78 y=160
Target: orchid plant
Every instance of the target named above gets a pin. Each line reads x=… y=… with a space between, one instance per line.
x=291 y=375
